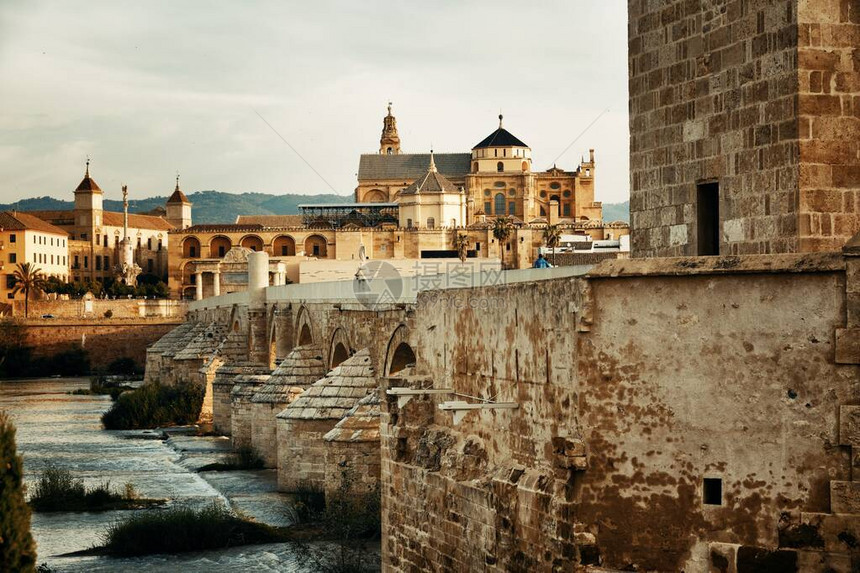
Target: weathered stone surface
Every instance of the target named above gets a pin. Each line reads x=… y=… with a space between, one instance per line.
x=845 y=496
x=849 y=425
x=848 y=345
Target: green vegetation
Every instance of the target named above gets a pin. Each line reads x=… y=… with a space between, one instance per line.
x=154 y=405
x=244 y=458
x=57 y=490
x=17 y=549
x=102 y=385
x=308 y=504
x=182 y=529
x=148 y=285
x=29 y=280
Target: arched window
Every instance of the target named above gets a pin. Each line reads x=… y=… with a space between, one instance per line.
x=475 y=167
x=499 y=207
x=389 y=151
x=500 y=166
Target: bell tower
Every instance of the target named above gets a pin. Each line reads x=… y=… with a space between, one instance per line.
x=389 y=143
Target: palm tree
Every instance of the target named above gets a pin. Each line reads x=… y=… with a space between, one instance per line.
x=502 y=230
x=461 y=243
x=28 y=279
x=552 y=237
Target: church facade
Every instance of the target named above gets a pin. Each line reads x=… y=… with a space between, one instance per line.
x=496 y=177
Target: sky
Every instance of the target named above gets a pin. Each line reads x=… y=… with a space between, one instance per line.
x=151 y=88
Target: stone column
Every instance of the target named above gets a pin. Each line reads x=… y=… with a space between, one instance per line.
x=198 y=283
x=216 y=283
x=258 y=280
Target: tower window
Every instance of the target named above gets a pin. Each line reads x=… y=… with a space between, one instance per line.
x=708 y=219
x=389 y=151
x=512 y=208
x=500 y=166
x=431 y=223
x=712 y=491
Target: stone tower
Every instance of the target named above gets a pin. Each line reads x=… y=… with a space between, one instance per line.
x=389 y=143
x=743 y=126
x=178 y=208
x=88 y=207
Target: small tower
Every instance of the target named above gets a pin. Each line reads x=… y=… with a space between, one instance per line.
x=179 y=208
x=88 y=205
x=389 y=143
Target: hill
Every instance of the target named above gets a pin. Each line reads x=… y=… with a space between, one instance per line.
x=219 y=207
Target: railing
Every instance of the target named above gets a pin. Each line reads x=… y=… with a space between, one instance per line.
x=370 y=293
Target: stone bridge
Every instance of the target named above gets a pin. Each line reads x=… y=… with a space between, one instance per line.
x=693 y=414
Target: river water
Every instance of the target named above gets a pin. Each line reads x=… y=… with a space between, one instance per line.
x=56 y=427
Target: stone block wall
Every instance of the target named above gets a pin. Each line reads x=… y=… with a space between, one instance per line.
x=758 y=96
x=656 y=376
x=360 y=459
x=829 y=124
x=104 y=341
x=301 y=453
x=264 y=431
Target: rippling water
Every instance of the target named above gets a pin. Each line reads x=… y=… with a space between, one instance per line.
x=54 y=426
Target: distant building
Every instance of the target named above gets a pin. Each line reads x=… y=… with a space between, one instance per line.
x=408 y=207
x=95 y=235
x=28 y=239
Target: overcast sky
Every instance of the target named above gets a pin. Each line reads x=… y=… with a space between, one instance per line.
x=147 y=88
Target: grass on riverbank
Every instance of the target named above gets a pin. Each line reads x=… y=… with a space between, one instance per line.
x=181 y=529
x=57 y=490
x=244 y=458
x=154 y=405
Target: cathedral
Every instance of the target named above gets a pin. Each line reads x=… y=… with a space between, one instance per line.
x=495 y=179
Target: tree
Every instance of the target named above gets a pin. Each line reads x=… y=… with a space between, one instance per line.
x=17 y=549
x=502 y=230
x=551 y=238
x=461 y=243
x=28 y=279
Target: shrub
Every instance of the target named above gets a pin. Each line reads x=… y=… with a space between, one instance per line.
x=244 y=458
x=153 y=405
x=350 y=519
x=181 y=529
x=309 y=502
x=58 y=490
x=108 y=313
x=17 y=549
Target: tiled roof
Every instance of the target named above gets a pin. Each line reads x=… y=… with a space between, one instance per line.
x=204 y=344
x=270 y=220
x=184 y=339
x=333 y=396
x=500 y=138
x=178 y=197
x=361 y=423
x=302 y=367
x=113 y=219
x=171 y=338
x=431 y=182
x=87 y=184
x=408 y=167
x=235 y=346
x=109 y=218
x=15 y=220
x=246 y=385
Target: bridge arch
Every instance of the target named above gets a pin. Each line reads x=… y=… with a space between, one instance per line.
x=399 y=353
x=304 y=328
x=339 y=348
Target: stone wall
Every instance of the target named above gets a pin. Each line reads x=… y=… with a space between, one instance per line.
x=655 y=376
x=758 y=96
x=360 y=459
x=301 y=453
x=117 y=309
x=104 y=341
x=264 y=431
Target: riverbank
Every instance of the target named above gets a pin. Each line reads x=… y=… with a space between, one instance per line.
x=64 y=429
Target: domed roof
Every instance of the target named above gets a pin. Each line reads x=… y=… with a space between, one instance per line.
x=500 y=138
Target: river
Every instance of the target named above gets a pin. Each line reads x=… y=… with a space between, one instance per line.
x=54 y=426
